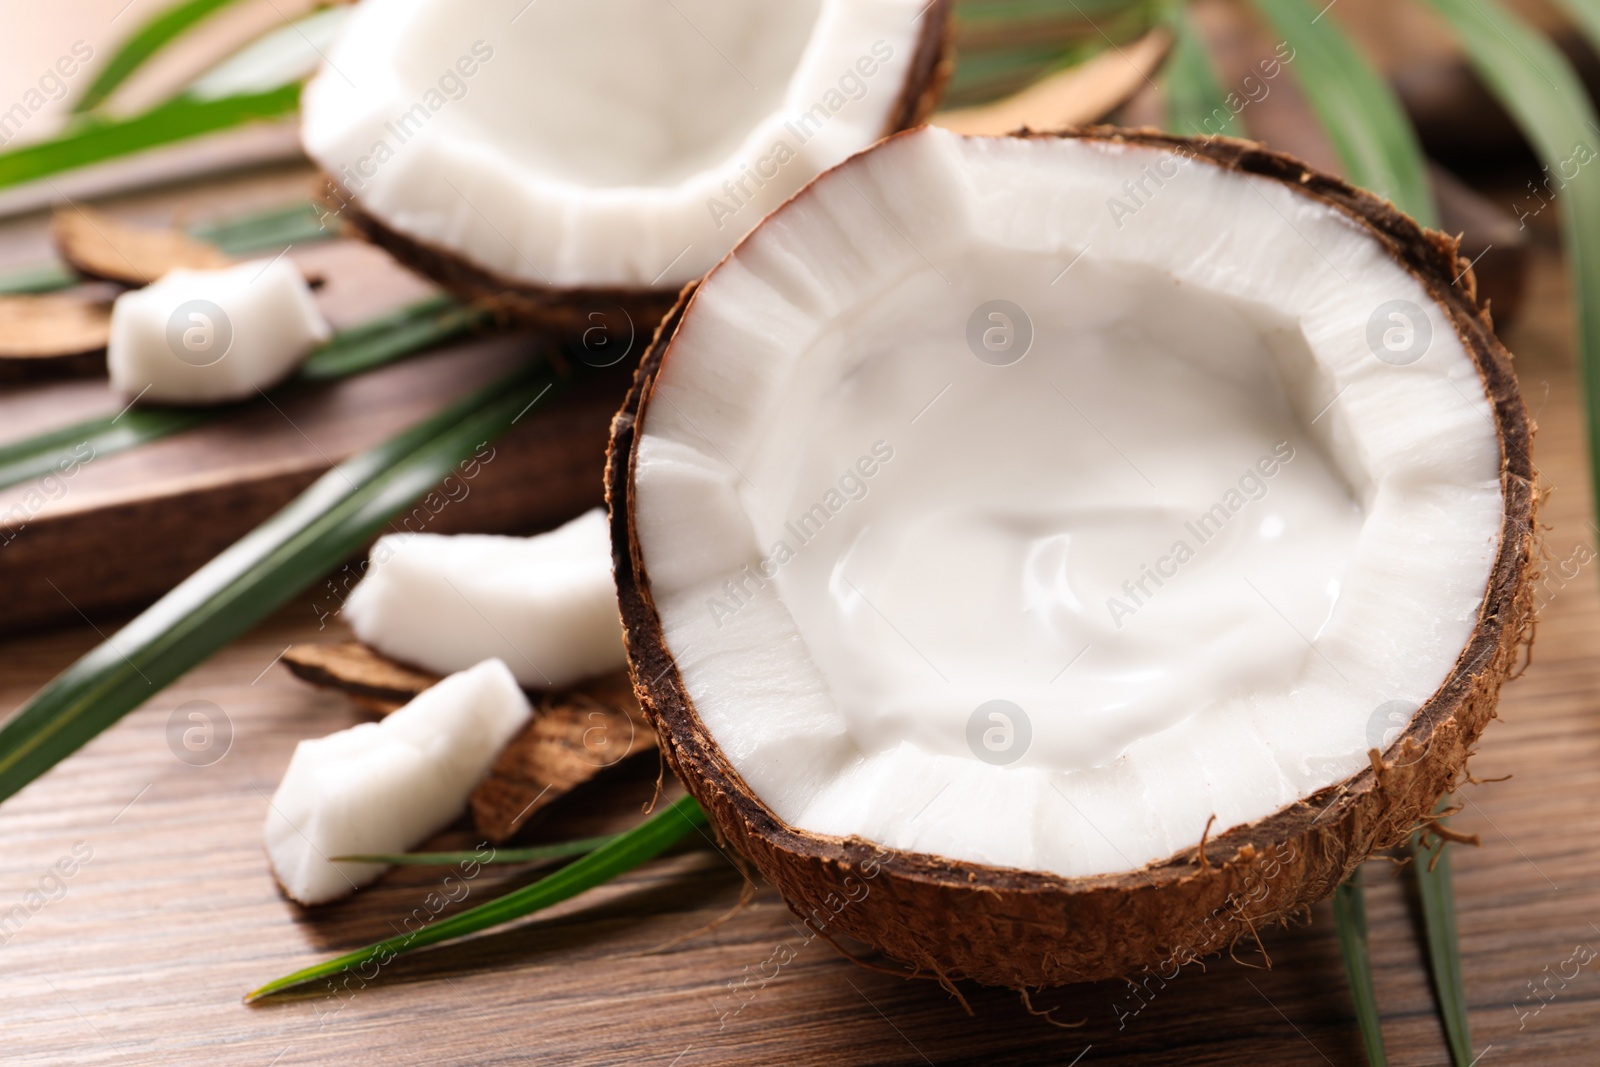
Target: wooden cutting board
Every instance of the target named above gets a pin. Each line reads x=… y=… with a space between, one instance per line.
x=123 y=528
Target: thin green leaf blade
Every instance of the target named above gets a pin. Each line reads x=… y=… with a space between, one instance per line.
x=324 y=525
x=290 y=53
x=532 y=854
x=149 y=39
x=387 y=337
x=176 y=120
x=645 y=842
x=274 y=227
x=1357 y=108
x=1350 y=923
x=1196 y=103
x=43 y=278
x=1430 y=865
x=1538 y=87
x=61 y=450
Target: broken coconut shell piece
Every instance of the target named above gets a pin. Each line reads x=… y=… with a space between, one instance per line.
x=892 y=483
x=97 y=245
x=369 y=678
x=575 y=734
x=517 y=170
x=52 y=326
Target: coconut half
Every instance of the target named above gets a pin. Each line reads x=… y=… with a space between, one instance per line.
x=1055 y=555
x=579 y=158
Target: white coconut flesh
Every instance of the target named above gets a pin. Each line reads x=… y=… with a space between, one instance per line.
x=858 y=534
x=213 y=336
x=581 y=143
x=546 y=604
x=384 y=787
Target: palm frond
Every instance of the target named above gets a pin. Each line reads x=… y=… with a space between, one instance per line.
x=1357 y=108
x=146 y=41
x=327 y=523
x=1196 y=103
x=627 y=851
x=1539 y=89
x=1350 y=923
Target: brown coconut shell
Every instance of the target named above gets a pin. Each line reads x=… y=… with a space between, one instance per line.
x=619 y=311
x=97 y=245
x=1023 y=929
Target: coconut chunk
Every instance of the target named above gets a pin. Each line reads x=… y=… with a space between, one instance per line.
x=545 y=605
x=383 y=787
x=212 y=336
x=612 y=149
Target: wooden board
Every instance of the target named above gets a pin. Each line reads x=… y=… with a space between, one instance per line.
x=124 y=528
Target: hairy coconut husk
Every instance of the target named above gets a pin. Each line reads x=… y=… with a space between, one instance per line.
x=1024 y=929
x=576 y=734
x=618 y=311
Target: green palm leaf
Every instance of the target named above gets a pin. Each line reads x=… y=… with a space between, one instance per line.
x=1196 y=103
x=1362 y=116
x=327 y=523
x=275 y=227
x=1534 y=83
x=531 y=854
x=60 y=450
x=1350 y=923
x=145 y=42
x=176 y=120
x=43 y=278
x=623 y=853
x=1430 y=865
x=388 y=337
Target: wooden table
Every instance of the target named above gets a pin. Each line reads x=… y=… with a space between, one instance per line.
x=171 y=913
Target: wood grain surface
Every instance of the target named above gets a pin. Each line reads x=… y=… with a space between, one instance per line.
x=169 y=913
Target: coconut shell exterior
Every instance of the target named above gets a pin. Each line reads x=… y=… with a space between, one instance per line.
x=619 y=312
x=1023 y=929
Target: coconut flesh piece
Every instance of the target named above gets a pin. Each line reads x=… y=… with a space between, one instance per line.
x=918 y=446
x=213 y=336
x=611 y=146
x=383 y=787
x=546 y=605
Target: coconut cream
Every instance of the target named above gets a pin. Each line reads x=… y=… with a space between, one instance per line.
x=1067 y=552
